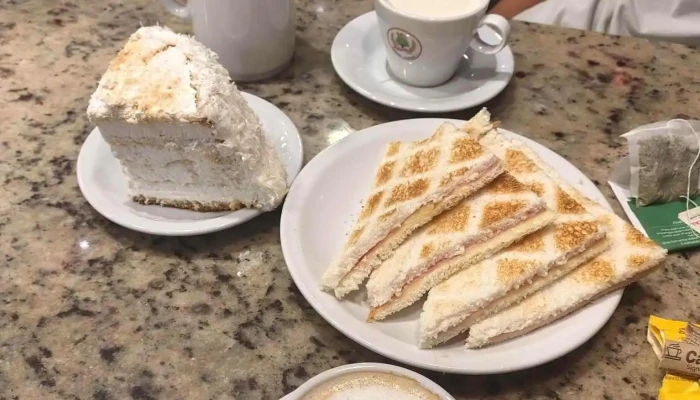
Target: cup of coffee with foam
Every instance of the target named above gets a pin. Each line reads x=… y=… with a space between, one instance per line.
x=369 y=381
x=425 y=40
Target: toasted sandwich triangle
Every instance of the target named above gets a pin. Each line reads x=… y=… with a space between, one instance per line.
x=414 y=182
x=630 y=257
x=497 y=282
x=482 y=224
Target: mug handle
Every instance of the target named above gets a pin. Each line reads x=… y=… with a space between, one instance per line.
x=177 y=9
x=502 y=28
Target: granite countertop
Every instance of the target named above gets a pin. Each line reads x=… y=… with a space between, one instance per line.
x=90 y=310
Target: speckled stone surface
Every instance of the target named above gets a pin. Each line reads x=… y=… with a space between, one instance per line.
x=90 y=310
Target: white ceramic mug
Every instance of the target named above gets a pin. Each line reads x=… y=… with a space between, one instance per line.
x=317 y=380
x=424 y=51
x=253 y=38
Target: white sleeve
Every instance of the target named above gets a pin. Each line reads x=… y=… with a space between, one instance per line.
x=570 y=14
x=673 y=20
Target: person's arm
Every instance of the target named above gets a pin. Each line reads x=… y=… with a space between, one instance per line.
x=511 y=8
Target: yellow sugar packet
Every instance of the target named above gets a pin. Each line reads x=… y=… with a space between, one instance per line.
x=675 y=342
x=676 y=387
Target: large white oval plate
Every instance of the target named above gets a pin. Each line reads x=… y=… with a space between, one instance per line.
x=104 y=185
x=318 y=213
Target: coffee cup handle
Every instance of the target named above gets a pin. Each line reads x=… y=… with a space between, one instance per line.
x=177 y=9
x=502 y=28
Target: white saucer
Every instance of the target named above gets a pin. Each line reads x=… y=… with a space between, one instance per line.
x=320 y=210
x=104 y=185
x=360 y=60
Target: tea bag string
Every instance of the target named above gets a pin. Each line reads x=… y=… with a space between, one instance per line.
x=688 y=200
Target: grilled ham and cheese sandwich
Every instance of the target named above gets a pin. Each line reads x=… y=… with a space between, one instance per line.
x=630 y=257
x=415 y=182
x=495 y=283
x=482 y=224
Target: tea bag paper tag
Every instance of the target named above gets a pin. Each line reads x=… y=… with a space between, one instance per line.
x=691 y=218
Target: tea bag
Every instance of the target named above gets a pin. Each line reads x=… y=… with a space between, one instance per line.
x=661 y=156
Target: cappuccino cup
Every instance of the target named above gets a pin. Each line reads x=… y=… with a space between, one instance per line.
x=369 y=381
x=254 y=39
x=425 y=41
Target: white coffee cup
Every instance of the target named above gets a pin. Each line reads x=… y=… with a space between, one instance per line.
x=336 y=372
x=426 y=51
x=253 y=38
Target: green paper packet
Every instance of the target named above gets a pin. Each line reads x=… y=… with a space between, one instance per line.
x=661 y=224
x=658 y=221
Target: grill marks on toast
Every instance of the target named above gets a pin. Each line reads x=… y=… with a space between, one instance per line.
x=454 y=220
x=450 y=176
x=506 y=183
x=630 y=257
x=371 y=205
x=420 y=159
x=497 y=211
x=411 y=177
x=567 y=205
x=518 y=163
x=385 y=173
x=421 y=162
x=498 y=206
x=355 y=235
x=569 y=235
x=536 y=187
x=393 y=149
x=637 y=262
x=636 y=238
x=509 y=270
x=411 y=165
x=481 y=289
x=596 y=272
x=407 y=191
x=427 y=250
x=465 y=149
x=532 y=243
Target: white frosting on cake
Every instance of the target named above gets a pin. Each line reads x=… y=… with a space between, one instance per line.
x=181 y=128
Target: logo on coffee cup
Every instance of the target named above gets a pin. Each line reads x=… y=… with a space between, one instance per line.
x=404 y=44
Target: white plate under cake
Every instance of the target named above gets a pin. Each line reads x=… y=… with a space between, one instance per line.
x=105 y=186
x=183 y=137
